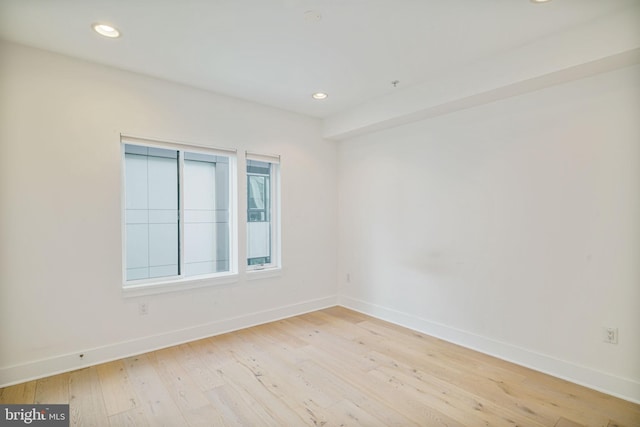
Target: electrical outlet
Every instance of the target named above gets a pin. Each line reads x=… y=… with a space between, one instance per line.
x=610 y=335
x=143 y=308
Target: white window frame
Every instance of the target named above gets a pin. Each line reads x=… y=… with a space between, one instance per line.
x=276 y=247
x=181 y=282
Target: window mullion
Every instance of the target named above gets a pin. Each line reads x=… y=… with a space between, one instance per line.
x=275 y=214
x=181 y=216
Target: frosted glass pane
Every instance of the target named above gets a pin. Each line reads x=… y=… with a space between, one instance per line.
x=199 y=185
x=199 y=242
x=197 y=268
x=137 y=216
x=137 y=245
x=163 y=244
x=223 y=245
x=206 y=194
x=191 y=216
x=136 y=181
x=163 y=183
x=259 y=242
x=163 y=271
x=222 y=186
x=163 y=216
x=151 y=192
x=137 y=273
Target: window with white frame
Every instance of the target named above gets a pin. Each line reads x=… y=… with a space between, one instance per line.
x=178 y=211
x=263 y=219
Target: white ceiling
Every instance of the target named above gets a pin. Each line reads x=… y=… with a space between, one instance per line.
x=267 y=52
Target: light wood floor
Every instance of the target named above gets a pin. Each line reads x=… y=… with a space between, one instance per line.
x=332 y=367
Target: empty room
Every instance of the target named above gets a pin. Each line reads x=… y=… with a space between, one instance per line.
x=308 y=213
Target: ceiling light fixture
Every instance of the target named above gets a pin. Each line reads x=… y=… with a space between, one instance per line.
x=312 y=16
x=540 y=1
x=319 y=95
x=106 y=30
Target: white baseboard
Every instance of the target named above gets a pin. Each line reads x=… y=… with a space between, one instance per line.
x=68 y=362
x=610 y=384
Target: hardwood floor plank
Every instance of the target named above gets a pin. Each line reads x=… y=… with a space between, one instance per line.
x=117 y=391
x=155 y=401
x=205 y=416
x=351 y=414
x=586 y=406
x=53 y=390
x=410 y=406
x=19 y=393
x=334 y=386
x=617 y=424
x=135 y=417
x=184 y=391
x=346 y=314
x=196 y=368
x=462 y=385
x=462 y=405
x=237 y=408
x=211 y=355
x=563 y=422
x=279 y=335
x=263 y=388
x=282 y=379
x=86 y=405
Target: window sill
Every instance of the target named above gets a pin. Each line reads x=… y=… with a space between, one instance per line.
x=264 y=273
x=184 y=284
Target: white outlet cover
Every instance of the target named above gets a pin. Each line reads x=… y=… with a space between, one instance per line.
x=610 y=335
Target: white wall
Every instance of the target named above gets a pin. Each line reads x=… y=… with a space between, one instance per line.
x=60 y=212
x=512 y=227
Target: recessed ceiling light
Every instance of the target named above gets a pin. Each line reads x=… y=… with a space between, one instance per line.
x=312 y=16
x=539 y=1
x=319 y=95
x=106 y=30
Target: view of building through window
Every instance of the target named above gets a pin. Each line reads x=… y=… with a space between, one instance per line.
x=263 y=218
x=259 y=215
x=177 y=214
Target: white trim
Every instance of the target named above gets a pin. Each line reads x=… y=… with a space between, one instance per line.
x=233 y=214
x=276 y=205
x=15 y=374
x=623 y=388
x=173 y=284
x=263 y=273
x=176 y=145
x=261 y=157
x=123 y=220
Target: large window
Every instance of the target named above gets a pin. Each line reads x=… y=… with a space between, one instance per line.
x=263 y=235
x=178 y=211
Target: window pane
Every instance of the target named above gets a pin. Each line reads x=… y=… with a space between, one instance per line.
x=259 y=224
x=151 y=216
x=206 y=214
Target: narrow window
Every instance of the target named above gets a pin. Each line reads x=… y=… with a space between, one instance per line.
x=263 y=238
x=178 y=211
